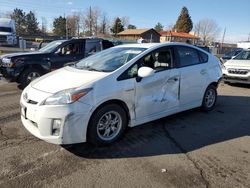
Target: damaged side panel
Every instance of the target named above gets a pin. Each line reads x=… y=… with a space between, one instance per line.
x=157 y=94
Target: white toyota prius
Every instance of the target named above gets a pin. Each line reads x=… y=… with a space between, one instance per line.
x=96 y=99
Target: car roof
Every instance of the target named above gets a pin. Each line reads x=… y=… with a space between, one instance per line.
x=153 y=45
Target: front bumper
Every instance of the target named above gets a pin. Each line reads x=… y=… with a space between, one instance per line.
x=38 y=120
x=234 y=79
x=10 y=74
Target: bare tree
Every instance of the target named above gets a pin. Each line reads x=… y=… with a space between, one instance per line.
x=169 y=27
x=73 y=25
x=125 y=21
x=104 y=24
x=90 y=20
x=44 y=26
x=207 y=30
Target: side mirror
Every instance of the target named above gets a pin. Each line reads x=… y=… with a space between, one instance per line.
x=145 y=72
x=32 y=49
x=233 y=56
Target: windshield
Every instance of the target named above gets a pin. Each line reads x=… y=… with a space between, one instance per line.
x=5 y=29
x=244 y=55
x=51 y=46
x=110 y=59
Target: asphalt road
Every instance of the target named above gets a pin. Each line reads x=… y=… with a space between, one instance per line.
x=190 y=149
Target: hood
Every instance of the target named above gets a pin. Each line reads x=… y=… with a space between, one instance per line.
x=5 y=33
x=21 y=54
x=66 y=78
x=234 y=63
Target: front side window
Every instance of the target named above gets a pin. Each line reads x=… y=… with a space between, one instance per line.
x=71 y=49
x=109 y=60
x=158 y=60
x=188 y=56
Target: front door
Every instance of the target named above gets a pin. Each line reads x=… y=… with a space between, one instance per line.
x=158 y=93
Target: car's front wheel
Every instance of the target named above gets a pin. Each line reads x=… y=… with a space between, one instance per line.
x=210 y=98
x=28 y=76
x=107 y=125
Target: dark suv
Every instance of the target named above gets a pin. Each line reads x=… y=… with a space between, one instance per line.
x=25 y=67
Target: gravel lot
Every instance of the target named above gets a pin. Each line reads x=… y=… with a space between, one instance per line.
x=190 y=149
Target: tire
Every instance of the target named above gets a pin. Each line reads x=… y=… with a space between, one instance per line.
x=101 y=131
x=28 y=75
x=209 y=98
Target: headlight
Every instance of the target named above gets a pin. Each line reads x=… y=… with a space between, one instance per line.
x=7 y=62
x=66 y=96
x=222 y=67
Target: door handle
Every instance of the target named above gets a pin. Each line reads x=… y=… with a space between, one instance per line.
x=131 y=89
x=203 y=71
x=174 y=79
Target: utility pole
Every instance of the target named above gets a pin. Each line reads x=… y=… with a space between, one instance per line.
x=78 y=28
x=66 y=27
x=222 y=41
x=90 y=21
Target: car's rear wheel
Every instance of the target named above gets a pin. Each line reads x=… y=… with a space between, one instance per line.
x=107 y=125
x=28 y=76
x=210 y=98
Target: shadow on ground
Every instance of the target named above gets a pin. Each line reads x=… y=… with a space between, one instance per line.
x=180 y=133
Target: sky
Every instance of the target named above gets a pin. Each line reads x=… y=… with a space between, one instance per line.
x=232 y=15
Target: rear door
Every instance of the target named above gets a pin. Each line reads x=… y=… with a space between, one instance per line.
x=192 y=65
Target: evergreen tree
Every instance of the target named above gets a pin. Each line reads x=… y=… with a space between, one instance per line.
x=130 y=26
x=59 y=25
x=184 y=22
x=19 y=16
x=117 y=27
x=159 y=27
x=31 y=24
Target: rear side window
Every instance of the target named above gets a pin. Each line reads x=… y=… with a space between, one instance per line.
x=190 y=56
x=203 y=57
x=92 y=46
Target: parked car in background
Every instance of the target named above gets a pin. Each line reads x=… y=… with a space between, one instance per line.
x=25 y=67
x=124 y=86
x=237 y=70
x=7 y=32
x=231 y=54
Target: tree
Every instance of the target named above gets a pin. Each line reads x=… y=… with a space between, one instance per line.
x=125 y=21
x=184 y=22
x=59 y=25
x=91 y=19
x=207 y=30
x=19 y=16
x=44 y=26
x=104 y=24
x=73 y=25
x=159 y=27
x=31 y=24
x=130 y=26
x=117 y=26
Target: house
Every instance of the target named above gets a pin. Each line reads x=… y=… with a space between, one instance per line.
x=150 y=35
x=172 y=36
